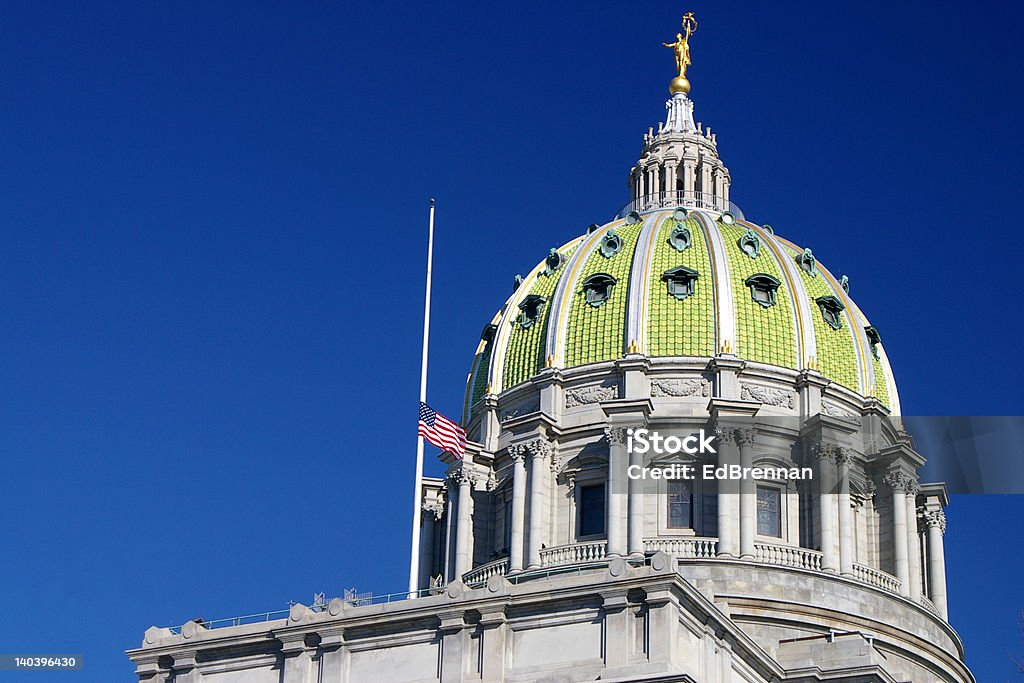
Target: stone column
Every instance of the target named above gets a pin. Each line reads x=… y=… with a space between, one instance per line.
x=913 y=541
x=689 y=177
x=897 y=482
x=635 y=529
x=515 y=551
x=430 y=513
x=936 y=521
x=670 y=178
x=728 y=490
x=465 y=478
x=616 y=437
x=640 y=184
x=539 y=451
x=846 y=548
x=826 y=454
x=748 y=495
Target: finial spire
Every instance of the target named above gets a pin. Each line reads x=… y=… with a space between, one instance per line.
x=680 y=84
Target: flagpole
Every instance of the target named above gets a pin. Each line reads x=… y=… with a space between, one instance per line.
x=414 y=560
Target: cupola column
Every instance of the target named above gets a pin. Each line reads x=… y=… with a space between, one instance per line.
x=935 y=518
x=748 y=494
x=515 y=552
x=465 y=478
x=671 y=166
x=913 y=540
x=897 y=482
x=539 y=451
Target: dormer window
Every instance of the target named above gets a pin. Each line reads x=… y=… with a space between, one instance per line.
x=680 y=239
x=680 y=281
x=808 y=262
x=874 y=339
x=530 y=309
x=487 y=334
x=762 y=289
x=610 y=244
x=831 y=310
x=598 y=288
x=750 y=244
x=553 y=262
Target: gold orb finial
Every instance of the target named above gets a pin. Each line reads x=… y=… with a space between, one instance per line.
x=682 y=49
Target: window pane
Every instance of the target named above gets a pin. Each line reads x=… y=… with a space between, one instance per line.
x=769 y=511
x=680 y=506
x=591 y=510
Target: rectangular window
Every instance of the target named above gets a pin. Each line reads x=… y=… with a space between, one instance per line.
x=680 y=505
x=591 y=510
x=769 y=511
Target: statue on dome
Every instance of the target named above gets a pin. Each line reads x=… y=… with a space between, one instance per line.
x=682 y=44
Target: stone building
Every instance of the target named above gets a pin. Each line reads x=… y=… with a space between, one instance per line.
x=542 y=560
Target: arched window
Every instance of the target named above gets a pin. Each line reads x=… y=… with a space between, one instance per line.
x=680 y=505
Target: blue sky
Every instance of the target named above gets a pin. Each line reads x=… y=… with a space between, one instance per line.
x=211 y=260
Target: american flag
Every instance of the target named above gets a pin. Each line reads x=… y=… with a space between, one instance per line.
x=442 y=432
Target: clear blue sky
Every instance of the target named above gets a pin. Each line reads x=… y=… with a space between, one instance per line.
x=212 y=238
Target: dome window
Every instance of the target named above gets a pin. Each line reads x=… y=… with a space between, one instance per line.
x=750 y=244
x=530 y=309
x=598 y=288
x=610 y=244
x=832 y=310
x=728 y=218
x=592 y=228
x=768 y=229
x=808 y=262
x=762 y=289
x=487 y=335
x=681 y=281
x=680 y=239
x=632 y=218
x=680 y=214
x=874 y=339
x=553 y=262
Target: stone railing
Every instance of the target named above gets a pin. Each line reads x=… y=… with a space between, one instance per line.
x=574 y=553
x=875 y=577
x=692 y=547
x=687 y=199
x=485 y=571
x=788 y=556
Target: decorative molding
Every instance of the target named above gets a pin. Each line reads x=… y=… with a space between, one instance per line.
x=517 y=452
x=585 y=395
x=767 y=395
x=830 y=451
x=464 y=475
x=525 y=408
x=897 y=481
x=680 y=387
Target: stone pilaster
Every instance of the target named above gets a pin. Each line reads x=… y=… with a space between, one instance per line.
x=826 y=453
x=744 y=438
x=517 y=452
x=617 y=458
x=539 y=451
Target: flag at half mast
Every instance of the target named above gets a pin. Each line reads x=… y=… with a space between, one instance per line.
x=442 y=432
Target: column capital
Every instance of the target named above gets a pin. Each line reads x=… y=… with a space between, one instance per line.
x=464 y=476
x=936 y=518
x=824 y=450
x=901 y=481
x=744 y=437
x=616 y=436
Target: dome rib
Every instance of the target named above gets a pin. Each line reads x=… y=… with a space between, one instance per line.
x=725 y=312
x=639 y=282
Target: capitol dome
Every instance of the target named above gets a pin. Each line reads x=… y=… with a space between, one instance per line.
x=680 y=274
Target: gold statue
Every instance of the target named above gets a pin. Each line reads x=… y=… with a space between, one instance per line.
x=682 y=50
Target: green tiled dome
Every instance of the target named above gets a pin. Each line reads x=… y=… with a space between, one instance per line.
x=809 y=321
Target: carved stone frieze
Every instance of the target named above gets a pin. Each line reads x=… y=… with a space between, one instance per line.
x=680 y=387
x=833 y=410
x=525 y=408
x=585 y=395
x=767 y=395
